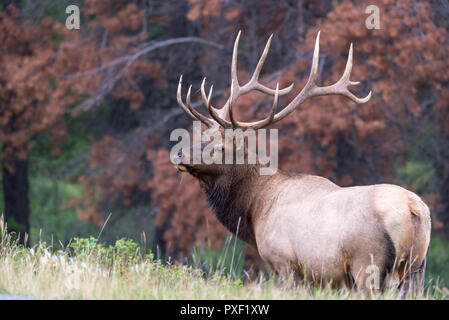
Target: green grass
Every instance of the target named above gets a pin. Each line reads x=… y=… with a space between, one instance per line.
x=87 y=269
x=49 y=220
x=438 y=260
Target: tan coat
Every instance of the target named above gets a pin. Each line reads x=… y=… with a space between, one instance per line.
x=326 y=232
x=308 y=226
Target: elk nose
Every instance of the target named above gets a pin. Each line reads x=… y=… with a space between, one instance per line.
x=178 y=157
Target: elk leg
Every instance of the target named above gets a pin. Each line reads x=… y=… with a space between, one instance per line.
x=411 y=281
x=368 y=275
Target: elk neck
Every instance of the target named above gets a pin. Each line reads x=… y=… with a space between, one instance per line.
x=236 y=197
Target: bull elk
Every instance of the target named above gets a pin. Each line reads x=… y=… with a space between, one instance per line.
x=306 y=224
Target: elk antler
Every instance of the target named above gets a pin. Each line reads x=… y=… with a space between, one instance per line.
x=311 y=89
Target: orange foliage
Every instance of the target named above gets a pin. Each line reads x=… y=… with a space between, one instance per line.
x=30 y=102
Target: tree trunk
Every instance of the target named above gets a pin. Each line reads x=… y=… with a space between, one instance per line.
x=15 y=195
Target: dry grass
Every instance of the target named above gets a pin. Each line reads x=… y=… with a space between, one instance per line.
x=44 y=273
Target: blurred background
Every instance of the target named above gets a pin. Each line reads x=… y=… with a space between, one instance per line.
x=85 y=115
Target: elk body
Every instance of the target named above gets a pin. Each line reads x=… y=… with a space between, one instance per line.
x=305 y=224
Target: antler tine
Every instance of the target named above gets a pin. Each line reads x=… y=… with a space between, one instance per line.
x=223 y=112
x=311 y=89
x=180 y=102
x=313 y=77
x=235 y=123
x=195 y=115
x=275 y=105
x=259 y=66
x=341 y=86
x=253 y=83
x=234 y=60
x=221 y=121
x=345 y=82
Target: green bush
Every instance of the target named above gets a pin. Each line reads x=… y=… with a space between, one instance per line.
x=123 y=252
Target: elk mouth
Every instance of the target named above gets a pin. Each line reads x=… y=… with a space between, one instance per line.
x=180 y=168
x=178 y=164
x=183 y=168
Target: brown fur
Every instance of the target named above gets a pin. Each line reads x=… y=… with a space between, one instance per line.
x=309 y=226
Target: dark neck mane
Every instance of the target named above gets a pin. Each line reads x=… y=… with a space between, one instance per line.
x=233 y=197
